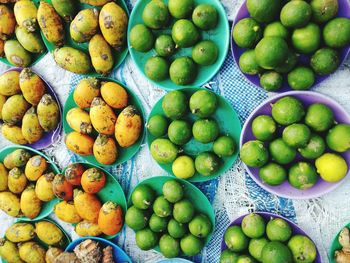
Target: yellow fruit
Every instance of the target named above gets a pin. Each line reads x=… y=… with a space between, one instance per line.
x=87 y=205
x=30 y=203
x=10 y=203
x=48 y=113
x=78 y=143
x=3 y=177
x=30 y=41
x=86 y=228
x=48 y=233
x=13 y=134
x=79 y=120
x=16 y=54
x=102 y=116
x=66 y=212
x=331 y=167
x=35 y=167
x=7 y=22
x=114 y=95
x=9 y=83
x=9 y=251
x=14 y=109
x=105 y=150
x=183 y=167
x=32 y=252
x=31 y=129
x=101 y=55
x=32 y=86
x=86 y=90
x=17 y=181
x=43 y=187
x=84 y=26
x=2 y=102
x=52 y=253
x=26 y=13
x=73 y=60
x=17 y=158
x=95 y=2
x=20 y=232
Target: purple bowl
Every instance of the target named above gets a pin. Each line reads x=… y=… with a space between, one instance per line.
x=344 y=11
x=51 y=137
x=268 y=216
x=286 y=190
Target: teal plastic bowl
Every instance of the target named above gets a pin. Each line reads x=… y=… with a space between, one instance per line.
x=336 y=245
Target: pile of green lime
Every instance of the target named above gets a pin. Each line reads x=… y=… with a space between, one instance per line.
x=169 y=220
x=267 y=242
x=175 y=130
x=308 y=146
x=186 y=22
x=277 y=34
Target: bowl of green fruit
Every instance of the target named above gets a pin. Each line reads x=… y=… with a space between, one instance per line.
x=295 y=45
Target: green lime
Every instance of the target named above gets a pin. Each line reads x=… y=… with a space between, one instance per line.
x=179 y=132
x=224 y=146
x=200 y=226
x=158 y=224
x=331 y=167
x=141 y=38
x=173 y=191
x=174 y=104
x=136 y=218
x=307 y=40
x=289 y=63
x=256 y=246
x=191 y=245
x=271 y=52
x=205 y=53
x=314 y=149
x=273 y=174
x=319 y=117
x=296 y=13
x=183 y=71
x=303 y=249
x=143 y=196
x=183 y=211
x=146 y=239
x=207 y=163
x=323 y=10
x=180 y=8
x=325 y=61
x=205 y=16
x=276 y=29
x=183 y=167
x=228 y=256
x=184 y=33
x=296 y=135
x=157 y=68
x=264 y=11
x=205 y=130
x=248 y=64
x=165 y=46
x=336 y=33
x=163 y=151
x=253 y=225
x=338 y=138
x=281 y=152
x=288 y=110
x=271 y=81
x=264 y=128
x=169 y=246
x=156 y=14
x=302 y=175
x=254 y=154
x=162 y=207
x=203 y=103
x=235 y=239
x=157 y=125
x=301 y=78
x=276 y=252
x=278 y=229
x=245 y=259
x=247 y=33
x=176 y=229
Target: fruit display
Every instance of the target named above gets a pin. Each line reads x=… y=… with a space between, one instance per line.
x=85 y=37
x=340 y=248
x=189 y=135
x=178 y=43
x=37 y=241
x=26 y=178
x=29 y=109
x=171 y=216
x=103 y=121
x=299 y=140
x=290 y=44
x=91 y=199
x=21 y=44
x=267 y=238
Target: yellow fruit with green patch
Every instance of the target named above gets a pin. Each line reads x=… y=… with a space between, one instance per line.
x=9 y=83
x=30 y=203
x=9 y=251
x=86 y=90
x=13 y=134
x=17 y=181
x=35 y=167
x=17 y=158
x=86 y=228
x=101 y=55
x=78 y=143
x=48 y=113
x=16 y=54
x=32 y=86
x=43 y=187
x=102 y=116
x=73 y=60
x=49 y=233
x=31 y=129
x=95 y=2
x=84 y=26
x=32 y=252
x=26 y=14
x=30 y=41
x=7 y=22
x=114 y=95
x=79 y=120
x=14 y=109
x=10 y=204
x=105 y=150
x=3 y=177
x=20 y=232
x=65 y=8
x=2 y=102
x=66 y=212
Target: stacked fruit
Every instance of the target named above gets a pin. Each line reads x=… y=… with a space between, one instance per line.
x=185 y=33
x=19 y=20
x=111 y=20
x=96 y=112
x=83 y=207
x=25 y=108
x=204 y=130
x=40 y=242
x=304 y=41
x=273 y=242
x=314 y=139
x=25 y=184
x=170 y=216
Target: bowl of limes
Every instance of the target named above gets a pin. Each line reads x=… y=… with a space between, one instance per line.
x=295 y=45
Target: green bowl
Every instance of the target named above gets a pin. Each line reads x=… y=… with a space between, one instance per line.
x=47 y=207
x=118 y=56
x=336 y=245
x=112 y=191
x=220 y=35
x=192 y=193
x=228 y=122
x=124 y=154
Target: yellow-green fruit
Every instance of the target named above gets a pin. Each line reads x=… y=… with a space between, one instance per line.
x=73 y=60
x=51 y=24
x=43 y=187
x=14 y=109
x=84 y=26
x=17 y=181
x=102 y=116
x=31 y=85
x=48 y=233
x=86 y=228
x=3 y=177
x=105 y=150
x=31 y=128
x=79 y=120
x=2 y=102
x=7 y=22
x=17 y=158
x=113 y=23
x=35 y=167
x=65 y=8
x=9 y=251
x=67 y=212
x=95 y=2
x=20 y=232
x=32 y=252
x=16 y=54
x=9 y=83
x=26 y=14
x=48 y=113
x=30 y=41
x=13 y=134
x=101 y=55
x=52 y=253
x=128 y=127
x=9 y=203
x=86 y=90
x=30 y=203
x=78 y=143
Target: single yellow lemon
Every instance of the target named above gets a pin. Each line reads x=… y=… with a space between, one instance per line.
x=331 y=167
x=183 y=167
